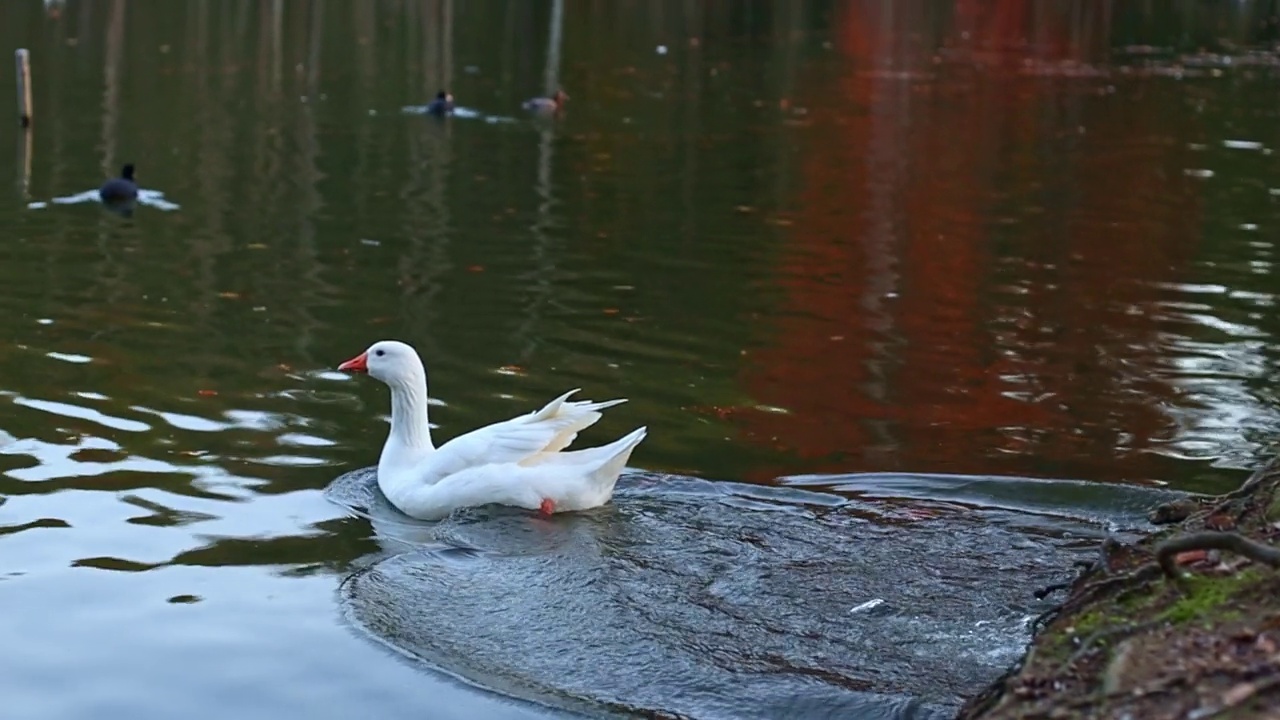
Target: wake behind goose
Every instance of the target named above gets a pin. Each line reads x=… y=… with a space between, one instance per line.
x=715 y=600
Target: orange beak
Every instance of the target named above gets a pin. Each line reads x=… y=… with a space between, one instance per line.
x=359 y=363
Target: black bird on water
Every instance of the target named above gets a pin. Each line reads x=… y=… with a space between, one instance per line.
x=121 y=189
x=442 y=105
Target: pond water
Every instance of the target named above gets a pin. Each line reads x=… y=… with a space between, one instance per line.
x=917 y=300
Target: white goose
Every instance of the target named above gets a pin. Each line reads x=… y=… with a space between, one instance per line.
x=516 y=462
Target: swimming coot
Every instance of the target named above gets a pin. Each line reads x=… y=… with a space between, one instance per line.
x=120 y=189
x=442 y=105
x=546 y=105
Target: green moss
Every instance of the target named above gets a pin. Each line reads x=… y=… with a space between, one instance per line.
x=1137 y=602
x=1082 y=626
x=1206 y=600
x=1202 y=595
x=1090 y=620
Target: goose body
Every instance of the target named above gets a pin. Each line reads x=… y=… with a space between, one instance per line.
x=520 y=462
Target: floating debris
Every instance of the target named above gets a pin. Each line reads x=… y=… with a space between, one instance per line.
x=868 y=605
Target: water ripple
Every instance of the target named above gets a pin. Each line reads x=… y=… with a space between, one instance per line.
x=682 y=587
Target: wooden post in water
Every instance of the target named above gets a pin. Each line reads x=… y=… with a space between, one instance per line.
x=22 y=63
x=23 y=60
x=24 y=162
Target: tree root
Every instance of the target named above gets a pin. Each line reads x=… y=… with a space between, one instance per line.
x=1103 y=588
x=1167 y=551
x=1114 y=632
x=1102 y=565
x=1158 y=687
x=1261 y=688
x=1097 y=591
x=1266 y=472
x=1164 y=685
x=1048 y=590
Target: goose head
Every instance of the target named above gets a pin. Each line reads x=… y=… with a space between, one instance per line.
x=391 y=361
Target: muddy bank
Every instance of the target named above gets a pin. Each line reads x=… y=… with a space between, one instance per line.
x=1184 y=623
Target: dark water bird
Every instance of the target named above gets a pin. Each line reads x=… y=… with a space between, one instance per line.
x=442 y=105
x=121 y=189
x=546 y=105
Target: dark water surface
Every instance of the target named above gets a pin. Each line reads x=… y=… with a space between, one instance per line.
x=872 y=269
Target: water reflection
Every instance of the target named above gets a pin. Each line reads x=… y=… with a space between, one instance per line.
x=833 y=245
x=930 y=271
x=952 y=289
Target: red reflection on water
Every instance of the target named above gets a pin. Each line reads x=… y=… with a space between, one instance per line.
x=1013 y=33
x=969 y=279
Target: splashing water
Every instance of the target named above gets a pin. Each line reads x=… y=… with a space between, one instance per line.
x=151 y=198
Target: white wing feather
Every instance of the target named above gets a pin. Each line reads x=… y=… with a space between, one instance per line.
x=520 y=440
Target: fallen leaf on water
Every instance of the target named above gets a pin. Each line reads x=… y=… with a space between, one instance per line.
x=256 y=246
x=284 y=367
x=228 y=295
x=207 y=393
x=781 y=222
x=611 y=311
x=745 y=209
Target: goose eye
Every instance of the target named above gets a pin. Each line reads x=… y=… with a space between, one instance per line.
x=379 y=353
